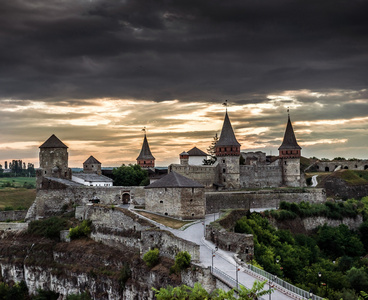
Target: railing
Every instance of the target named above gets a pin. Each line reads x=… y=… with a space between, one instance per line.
x=292 y=288
x=231 y=282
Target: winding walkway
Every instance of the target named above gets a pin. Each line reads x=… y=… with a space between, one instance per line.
x=223 y=260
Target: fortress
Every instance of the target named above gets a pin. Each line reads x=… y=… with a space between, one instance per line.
x=192 y=190
x=257 y=171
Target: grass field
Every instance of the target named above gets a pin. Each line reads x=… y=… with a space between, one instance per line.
x=18 y=181
x=18 y=196
x=169 y=222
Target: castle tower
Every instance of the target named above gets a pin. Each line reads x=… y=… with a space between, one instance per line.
x=184 y=158
x=92 y=165
x=54 y=159
x=145 y=158
x=289 y=153
x=227 y=153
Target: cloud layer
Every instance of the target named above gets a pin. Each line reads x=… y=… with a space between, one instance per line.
x=95 y=72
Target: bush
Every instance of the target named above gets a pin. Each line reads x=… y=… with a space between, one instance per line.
x=124 y=275
x=151 y=257
x=82 y=230
x=182 y=261
x=49 y=228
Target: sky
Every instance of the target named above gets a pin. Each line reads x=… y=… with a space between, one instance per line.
x=96 y=72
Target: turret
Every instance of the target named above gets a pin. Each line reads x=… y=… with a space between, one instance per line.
x=92 y=165
x=145 y=158
x=290 y=153
x=227 y=153
x=184 y=158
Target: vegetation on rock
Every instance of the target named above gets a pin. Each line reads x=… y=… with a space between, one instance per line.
x=335 y=252
x=185 y=292
x=82 y=230
x=151 y=257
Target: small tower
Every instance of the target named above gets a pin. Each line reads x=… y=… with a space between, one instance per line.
x=145 y=158
x=228 y=153
x=54 y=159
x=289 y=153
x=184 y=158
x=92 y=165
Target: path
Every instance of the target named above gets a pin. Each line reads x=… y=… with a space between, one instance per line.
x=223 y=260
x=314 y=180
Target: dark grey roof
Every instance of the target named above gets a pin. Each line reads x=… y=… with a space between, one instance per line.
x=289 y=141
x=53 y=142
x=91 y=160
x=227 y=137
x=174 y=180
x=93 y=177
x=196 y=152
x=145 y=152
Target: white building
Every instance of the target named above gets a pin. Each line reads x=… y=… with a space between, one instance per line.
x=196 y=156
x=92 y=179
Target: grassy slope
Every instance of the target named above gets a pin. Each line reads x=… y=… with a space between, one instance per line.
x=19 y=196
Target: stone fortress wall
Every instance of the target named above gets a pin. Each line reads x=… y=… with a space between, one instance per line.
x=215 y=201
x=183 y=203
x=205 y=175
x=118 y=226
x=330 y=166
x=56 y=194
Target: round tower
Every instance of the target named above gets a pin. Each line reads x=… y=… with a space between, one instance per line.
x=289 y=153
x=54 y=159
x=227 y=153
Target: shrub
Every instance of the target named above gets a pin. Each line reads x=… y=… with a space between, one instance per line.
x=124 y=275
x=182 y=261
x=82 y=230
x=151 y=257
x=49 y=228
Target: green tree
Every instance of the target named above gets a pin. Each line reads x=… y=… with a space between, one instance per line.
x=211 y=151
x=82 y=230
x=132 y=175
x=151 y=257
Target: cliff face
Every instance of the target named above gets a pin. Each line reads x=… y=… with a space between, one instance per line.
x=341 y=185
x=81 y=265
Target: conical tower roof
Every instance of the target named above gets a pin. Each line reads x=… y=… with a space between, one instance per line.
x=227 y=137
x=53 y=142
x=145 y=152
x=289 y=141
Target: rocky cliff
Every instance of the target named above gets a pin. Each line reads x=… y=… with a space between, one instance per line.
x=81 y=265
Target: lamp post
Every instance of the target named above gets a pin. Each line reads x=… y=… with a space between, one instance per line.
x=213 y=255
x=319 y=278
x=237 y=270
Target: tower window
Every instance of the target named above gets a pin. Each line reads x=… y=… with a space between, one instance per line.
x=223 y=161
x=285 y=162
x=161 y=201
x=223 y=170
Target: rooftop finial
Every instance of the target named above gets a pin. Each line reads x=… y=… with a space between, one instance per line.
x=288 y=111
x=225 y=104
x=144 y=129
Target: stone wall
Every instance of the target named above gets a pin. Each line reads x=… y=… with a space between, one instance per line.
x=330 y=166
x=13 y=215
x=117 y=227
x=62 y=193
x=257 y=175
x=205 y=175
x=13 y=226
x=216 y=201
x=182 y=203
x=239 y=243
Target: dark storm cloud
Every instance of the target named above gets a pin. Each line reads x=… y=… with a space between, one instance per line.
x=187 y=50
